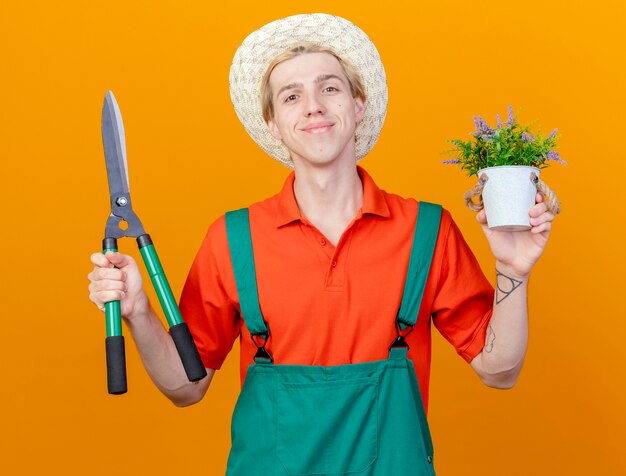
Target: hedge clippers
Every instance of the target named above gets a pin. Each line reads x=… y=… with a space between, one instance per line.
x=122 y=222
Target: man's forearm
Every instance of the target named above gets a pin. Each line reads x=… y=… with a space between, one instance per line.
x=506 y=339
x=162 y=361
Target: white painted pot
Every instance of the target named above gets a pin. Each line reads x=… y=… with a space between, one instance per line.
x=508 y=196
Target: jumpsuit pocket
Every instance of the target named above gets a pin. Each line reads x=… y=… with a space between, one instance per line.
x=328 y=427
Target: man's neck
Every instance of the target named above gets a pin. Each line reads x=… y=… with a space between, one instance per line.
x=329 y=197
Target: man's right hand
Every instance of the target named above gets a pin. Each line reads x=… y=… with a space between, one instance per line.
x=115 y=276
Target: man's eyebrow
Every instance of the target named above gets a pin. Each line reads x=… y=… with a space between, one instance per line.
x=325 y=77
x=288 y=86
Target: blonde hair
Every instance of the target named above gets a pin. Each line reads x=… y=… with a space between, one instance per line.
x=352 y=75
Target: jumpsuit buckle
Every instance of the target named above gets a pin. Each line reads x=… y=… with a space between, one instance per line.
x=261 y=351
x=400 y=340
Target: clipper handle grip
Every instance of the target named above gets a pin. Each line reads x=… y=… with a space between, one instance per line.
x=116 y=365
x=194 y=368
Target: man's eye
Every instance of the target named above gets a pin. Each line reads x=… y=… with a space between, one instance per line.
x=330 y=89
x=291 y=97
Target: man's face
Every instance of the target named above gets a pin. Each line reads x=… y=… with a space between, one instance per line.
x=315 y=114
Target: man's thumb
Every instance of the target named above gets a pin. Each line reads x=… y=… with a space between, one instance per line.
x=118 y=260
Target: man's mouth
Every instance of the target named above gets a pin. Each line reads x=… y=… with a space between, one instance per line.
x=318 y=127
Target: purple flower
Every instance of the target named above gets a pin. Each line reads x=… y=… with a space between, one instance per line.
x=452 y=161
x=478 y=122
x=527 y=137
x=482 y=129
x=511 y=120
x=499 y=121
x=553 y=155
x=552 y=134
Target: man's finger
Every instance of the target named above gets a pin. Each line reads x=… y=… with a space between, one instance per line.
x=481 y=217
x=547 y=226
x=107 y=296
x=543 y=218
x=108 y=284
x=109 y=273
x=538 y=209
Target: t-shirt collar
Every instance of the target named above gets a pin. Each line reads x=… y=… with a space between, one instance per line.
x=374 y=201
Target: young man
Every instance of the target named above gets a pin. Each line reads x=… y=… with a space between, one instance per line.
x=331 y=253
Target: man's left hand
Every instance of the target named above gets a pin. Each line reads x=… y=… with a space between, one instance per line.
x=518 y=251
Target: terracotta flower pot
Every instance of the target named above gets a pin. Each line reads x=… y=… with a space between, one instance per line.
x=508 y=196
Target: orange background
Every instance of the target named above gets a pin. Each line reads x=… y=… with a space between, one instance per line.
x=561 y=62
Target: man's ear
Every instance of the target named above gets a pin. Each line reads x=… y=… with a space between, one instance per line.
x=273 y=128
x=359 y=109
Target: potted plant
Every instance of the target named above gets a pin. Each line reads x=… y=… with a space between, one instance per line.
x=507 y=160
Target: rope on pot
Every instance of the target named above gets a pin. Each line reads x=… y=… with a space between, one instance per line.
x=476 y=192
x=550 y=198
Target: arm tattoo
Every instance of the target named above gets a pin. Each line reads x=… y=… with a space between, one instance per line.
x=505 y=286
x=491 y=338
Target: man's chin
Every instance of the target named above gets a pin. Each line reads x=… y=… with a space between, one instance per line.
x=320 y=158
x=315 y=160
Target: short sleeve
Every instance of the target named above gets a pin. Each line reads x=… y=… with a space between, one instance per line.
x=206 y=303
x=463 y=301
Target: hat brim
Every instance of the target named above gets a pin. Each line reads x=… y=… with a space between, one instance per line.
x=343 y=38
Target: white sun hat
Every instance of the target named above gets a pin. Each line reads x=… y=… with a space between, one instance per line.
x=340 y=36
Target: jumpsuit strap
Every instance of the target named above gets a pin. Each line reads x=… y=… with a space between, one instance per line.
x=242 y=257
x=424 y=240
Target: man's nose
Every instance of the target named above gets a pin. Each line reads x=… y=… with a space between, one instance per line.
x=314 y=105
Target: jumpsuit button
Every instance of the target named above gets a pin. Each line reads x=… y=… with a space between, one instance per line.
x=429 y=459
x=333 y=263
x=323 y=242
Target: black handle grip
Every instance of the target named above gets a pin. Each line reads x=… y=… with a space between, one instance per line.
x=186 y=347
x=116 y=365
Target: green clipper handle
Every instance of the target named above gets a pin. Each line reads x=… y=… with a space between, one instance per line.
x=115 y=349
x=194 y=368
